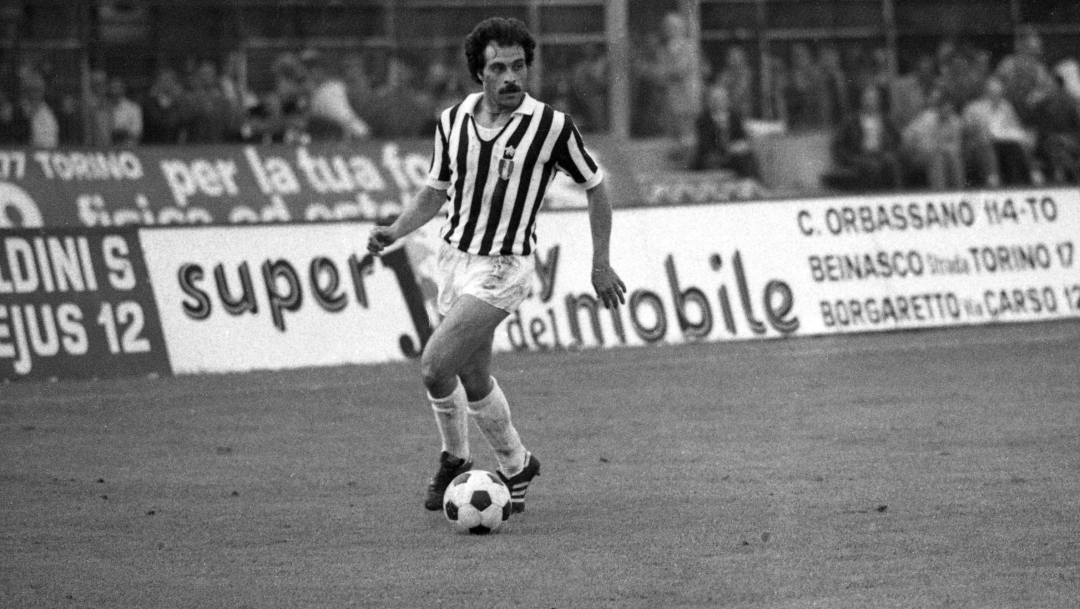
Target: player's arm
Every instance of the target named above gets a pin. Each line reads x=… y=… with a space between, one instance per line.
x=425 y=206
x=609 y=287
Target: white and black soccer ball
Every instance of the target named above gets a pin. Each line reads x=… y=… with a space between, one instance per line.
x=477 y=503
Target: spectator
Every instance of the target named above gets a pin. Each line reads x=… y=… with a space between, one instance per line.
x=42 y=129
x=722 y=142
x=163 y=110
x=932 y=143
x=1057 y=126
x=648 y=93
x=807 y=106
x=403 y=107
x=865 y=148
x=968 y=72
x=997 y=134
x=946 y=48
x=9 y=127
x=677 y=68
x=444 y=87
x=210 y=120
x=590 y=82
x=99 y=112
x=738 y=78
x=1024 y=75
x=774 y=102
x=837 y=95
x=331 y=116
x=870 y=69
x=69 y=114
x=241 y=100
x=361 y=90
x=561 y=96
x=127 y=117
x=910 y=94
x=1068 y=71
x=281 y=115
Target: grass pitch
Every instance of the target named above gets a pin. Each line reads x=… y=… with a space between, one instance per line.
x=930 y=469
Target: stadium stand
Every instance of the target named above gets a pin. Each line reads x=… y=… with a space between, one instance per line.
x=262 y=71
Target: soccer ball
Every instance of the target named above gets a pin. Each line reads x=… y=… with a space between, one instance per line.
x=477 y=503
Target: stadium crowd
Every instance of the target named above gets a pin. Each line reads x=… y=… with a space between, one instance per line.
x=313 y=96
x=953 y=119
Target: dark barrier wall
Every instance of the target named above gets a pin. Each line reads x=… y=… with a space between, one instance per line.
x=208 y=184
x=153 y=186
x=77 y=304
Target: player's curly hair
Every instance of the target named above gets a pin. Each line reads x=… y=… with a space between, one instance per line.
x=503 y=31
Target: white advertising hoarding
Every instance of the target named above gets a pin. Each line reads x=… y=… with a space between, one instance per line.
x=293 y=295
x=279 y=296
x=810 y=267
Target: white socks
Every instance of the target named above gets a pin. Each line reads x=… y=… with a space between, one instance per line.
x=492 y=414
x=453 y=422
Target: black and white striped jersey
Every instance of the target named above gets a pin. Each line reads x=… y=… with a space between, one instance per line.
x=496 y=185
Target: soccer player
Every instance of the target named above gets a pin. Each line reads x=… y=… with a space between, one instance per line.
x=495 y=155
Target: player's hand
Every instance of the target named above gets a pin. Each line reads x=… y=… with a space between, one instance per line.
x=609 y=288
x=381 y=238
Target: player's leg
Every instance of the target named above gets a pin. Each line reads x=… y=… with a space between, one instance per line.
x=451 y=347
x=490 y=409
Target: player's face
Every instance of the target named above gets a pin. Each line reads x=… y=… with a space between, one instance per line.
x=504 y=75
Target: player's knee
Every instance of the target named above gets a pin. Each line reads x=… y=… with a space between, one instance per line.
x=476 y=377
x=435 y=373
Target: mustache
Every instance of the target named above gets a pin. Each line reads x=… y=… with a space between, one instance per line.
x=511 y=89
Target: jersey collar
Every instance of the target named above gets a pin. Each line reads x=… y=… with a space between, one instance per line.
x=527 y=107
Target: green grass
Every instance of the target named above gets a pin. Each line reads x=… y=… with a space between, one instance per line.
x=925 y=469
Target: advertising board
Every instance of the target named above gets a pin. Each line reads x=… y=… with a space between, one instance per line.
x=76 y=303
x=808 y=267
x=282 y=296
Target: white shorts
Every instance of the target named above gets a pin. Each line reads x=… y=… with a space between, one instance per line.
x=501 y=281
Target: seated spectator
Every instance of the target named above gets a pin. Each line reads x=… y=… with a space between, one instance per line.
x=331 y=116
x=807 y=104
x=359 y=86
x=836 y=85
x=211 y=120
x=722 y=142
x=403 y=109
x=996 y=134
x=1056 y=120
x=647 y=92
x=737 y=77
x=69 y=113
x=865 y=148
x=282 y=114
x=963 y=77
x=1068 y=73
x=678 y=71
x=910 y=94
x=932 y=143
x=444 y=87
x=872 y=68
x=163 y=111
x=240 y=98
x=127 y=117
x=99 y=111
x=8 y=127
x=1024 y=75
x=42 y=129
x=774 y=97
x=590 y=83
x=560 y=91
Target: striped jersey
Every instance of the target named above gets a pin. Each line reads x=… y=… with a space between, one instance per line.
x=496 y=185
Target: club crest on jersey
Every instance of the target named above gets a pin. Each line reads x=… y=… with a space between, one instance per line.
x=506 y=163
